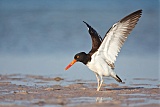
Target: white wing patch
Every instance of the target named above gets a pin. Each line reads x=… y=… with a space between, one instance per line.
x=116 y=36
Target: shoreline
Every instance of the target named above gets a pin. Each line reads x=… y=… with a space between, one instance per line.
x=75 y=94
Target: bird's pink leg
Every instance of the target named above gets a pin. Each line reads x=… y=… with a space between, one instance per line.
x=100 y=84
x=98 y=80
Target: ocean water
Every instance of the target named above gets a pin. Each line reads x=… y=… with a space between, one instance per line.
x=41 y=37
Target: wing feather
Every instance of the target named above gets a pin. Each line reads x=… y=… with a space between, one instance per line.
x=116 y=36
x=96 y=39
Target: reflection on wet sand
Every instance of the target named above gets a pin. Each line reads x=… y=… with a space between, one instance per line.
x=19 y=90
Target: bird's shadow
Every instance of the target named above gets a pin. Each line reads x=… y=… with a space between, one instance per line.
x=122 y=88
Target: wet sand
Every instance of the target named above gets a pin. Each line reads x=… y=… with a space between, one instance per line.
x=18 y=90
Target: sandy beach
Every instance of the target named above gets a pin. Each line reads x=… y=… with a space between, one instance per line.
x=31 y=90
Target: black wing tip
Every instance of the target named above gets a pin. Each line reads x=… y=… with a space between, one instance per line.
x=84 y=22
x=135 y=15
x=87 y=24
x=138 y=11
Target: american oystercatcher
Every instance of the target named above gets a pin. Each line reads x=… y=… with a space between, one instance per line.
x=104 y=51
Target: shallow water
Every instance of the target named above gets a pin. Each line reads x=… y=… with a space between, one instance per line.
x=129 y=69
x=75 y=92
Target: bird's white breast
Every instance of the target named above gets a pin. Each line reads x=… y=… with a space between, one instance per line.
x=98 y=65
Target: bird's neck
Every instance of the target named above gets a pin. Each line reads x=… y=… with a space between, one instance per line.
x=87 y=58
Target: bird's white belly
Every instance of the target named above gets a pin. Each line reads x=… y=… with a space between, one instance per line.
x=99 y=66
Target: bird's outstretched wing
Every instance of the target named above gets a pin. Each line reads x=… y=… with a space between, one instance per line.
x=96 y=39
x=116 y=36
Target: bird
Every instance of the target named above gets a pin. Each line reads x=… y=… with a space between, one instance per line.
x=102 y=56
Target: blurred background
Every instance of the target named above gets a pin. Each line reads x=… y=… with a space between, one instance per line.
x=41 y=37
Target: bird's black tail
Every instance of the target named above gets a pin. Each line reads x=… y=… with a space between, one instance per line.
x=117 y=78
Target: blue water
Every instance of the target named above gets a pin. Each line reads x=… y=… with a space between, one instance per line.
x=41 y=37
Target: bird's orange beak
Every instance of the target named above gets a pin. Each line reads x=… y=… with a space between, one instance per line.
x=69 y=65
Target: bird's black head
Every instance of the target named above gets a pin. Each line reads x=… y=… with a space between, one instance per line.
x=82 y=57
